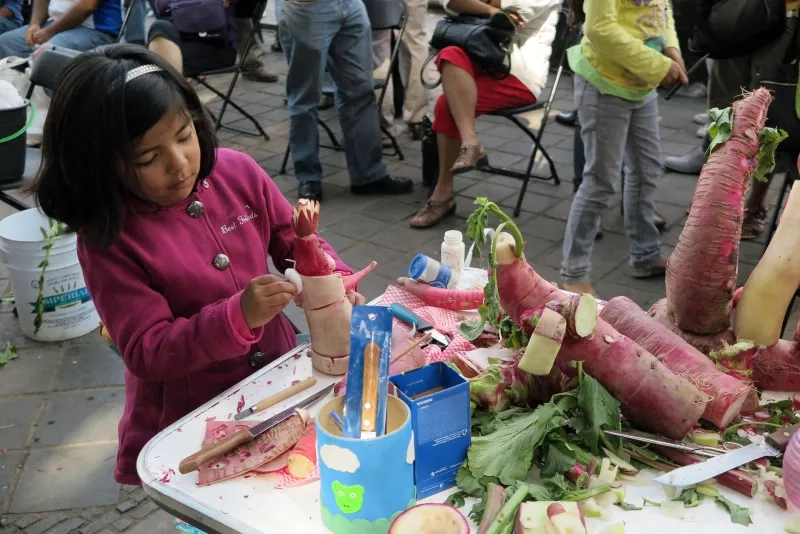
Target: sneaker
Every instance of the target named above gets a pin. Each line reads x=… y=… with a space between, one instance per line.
x=260 y=74
x=691 y=163
x=702 y=131
x=701 y=118
x=695 y=90
x=653 y=269
x=387 y=185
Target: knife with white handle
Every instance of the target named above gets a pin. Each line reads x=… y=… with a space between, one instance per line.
x=773 y=445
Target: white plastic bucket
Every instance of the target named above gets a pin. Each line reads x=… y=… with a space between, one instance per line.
x=68 y=309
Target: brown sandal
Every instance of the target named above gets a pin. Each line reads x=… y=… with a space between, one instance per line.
x=754 y=224
x=471 y=156
x=433 y=212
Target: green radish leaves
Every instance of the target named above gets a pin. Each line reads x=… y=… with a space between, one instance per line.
x=739 y=514
x=720 y=128
x=10 y=353
x=770 y=138
x=471 y=329
x=601 y=409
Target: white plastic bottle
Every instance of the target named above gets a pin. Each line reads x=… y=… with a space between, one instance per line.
x=453 y=251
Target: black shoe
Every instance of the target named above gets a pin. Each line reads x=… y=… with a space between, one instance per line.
x=386 y=186
x=325 y=101
x=310 y=190
x=567 y=118
x=661 y=224
x=416 y=130
x=276 y=46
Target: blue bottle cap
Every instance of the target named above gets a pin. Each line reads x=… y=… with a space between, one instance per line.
x=417 y=267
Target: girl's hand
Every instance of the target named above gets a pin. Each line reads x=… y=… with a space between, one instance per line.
x=675 y=74
x=356 y=298
x=675 y=55
x=264 y=298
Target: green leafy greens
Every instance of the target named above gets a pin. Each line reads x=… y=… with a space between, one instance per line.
x=769 y=138
x=10 y=353
x=739 y=514
x=720 y=128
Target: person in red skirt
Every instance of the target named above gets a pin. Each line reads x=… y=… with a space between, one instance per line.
x=470 y=92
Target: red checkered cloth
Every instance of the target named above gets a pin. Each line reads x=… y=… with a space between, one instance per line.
x=445 y=321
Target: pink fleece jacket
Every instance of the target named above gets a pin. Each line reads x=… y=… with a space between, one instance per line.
x=173 y=311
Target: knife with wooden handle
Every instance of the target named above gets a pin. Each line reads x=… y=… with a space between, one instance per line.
x=773 y=445
x=369 y=394
x=278 y=397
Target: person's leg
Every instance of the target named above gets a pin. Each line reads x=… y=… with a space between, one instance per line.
x=413 y=53
x=252 y=58
x=136 y=30
x=604 y=124
x=578 y=159
x=381 y=52
x=7 y=25
x=306 y=31
x=164 y=39
x=81 y=39
x=350 y=65
x=642 y=170
x=13 y=43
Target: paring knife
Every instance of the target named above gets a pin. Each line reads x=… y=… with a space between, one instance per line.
x=369 y=393
x=278 y=397
x=773 y=445
x=240 y=437
x=409 y=317
x=699 y=450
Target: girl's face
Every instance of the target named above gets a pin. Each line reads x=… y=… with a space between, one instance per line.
x=167 y=158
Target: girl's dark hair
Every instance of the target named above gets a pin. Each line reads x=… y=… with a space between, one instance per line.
x=87 y=172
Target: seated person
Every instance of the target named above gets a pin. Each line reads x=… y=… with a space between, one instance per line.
x=10 y=15
x=190 y=305
x=75 y=24
x=470 y=92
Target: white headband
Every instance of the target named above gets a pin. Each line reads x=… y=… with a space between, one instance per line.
x=138 y=71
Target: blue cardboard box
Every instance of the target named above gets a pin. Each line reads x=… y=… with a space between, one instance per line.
x=438 y=398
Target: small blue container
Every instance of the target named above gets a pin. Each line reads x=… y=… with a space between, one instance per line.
x=365 y=483
x=425 y=269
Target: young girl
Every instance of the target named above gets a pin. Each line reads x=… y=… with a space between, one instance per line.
x=628 y=49
x=173 y=236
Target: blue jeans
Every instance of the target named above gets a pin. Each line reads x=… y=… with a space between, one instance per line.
x=79 y=38
x=135 y=31
x=614 y=131
x=6 y=25
x=336 y=34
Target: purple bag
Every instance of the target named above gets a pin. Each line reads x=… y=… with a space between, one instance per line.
x=197 y=16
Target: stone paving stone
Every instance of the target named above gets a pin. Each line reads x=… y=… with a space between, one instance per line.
x=143 y=510
x=391 y=211
x=74 y=477
x=32 y=371
x=79 y=417
x=20 y=412
x=495 y=193
x=159 y=522
x=10 y=332
x=45 y=523
x=359 y=227
x=93 y=365
x=26 y=520
x=8 y=469
x=67 y=526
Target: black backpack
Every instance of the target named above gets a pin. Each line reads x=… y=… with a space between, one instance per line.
x=732 y=28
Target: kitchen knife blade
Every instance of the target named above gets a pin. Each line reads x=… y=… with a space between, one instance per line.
x=409 y=317
x=773 y=445
x=369 y=393
x=240 y=437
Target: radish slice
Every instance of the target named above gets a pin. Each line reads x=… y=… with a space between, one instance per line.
x=673 y=509
x=430 y=519
x=616 y=528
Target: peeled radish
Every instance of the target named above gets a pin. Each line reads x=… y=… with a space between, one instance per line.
x=430 y=519
x=616 y=528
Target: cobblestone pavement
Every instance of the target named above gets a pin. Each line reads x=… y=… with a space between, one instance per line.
x=60 y=403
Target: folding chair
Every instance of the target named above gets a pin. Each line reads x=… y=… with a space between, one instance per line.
x=236 y=69
x=45 y=72
x=389 y=15
x=536 y=138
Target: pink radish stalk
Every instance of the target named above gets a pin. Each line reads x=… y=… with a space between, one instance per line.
x=448 y=299
x=324 y=296
x=651 y=396
x=726 y=392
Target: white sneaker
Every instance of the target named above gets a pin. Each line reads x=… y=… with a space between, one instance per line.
x=702 y=131
x=701 y=118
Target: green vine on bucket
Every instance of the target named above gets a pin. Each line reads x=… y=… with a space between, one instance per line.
x=57 y=229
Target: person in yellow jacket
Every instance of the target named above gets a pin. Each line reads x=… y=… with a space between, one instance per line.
x=629 y=48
